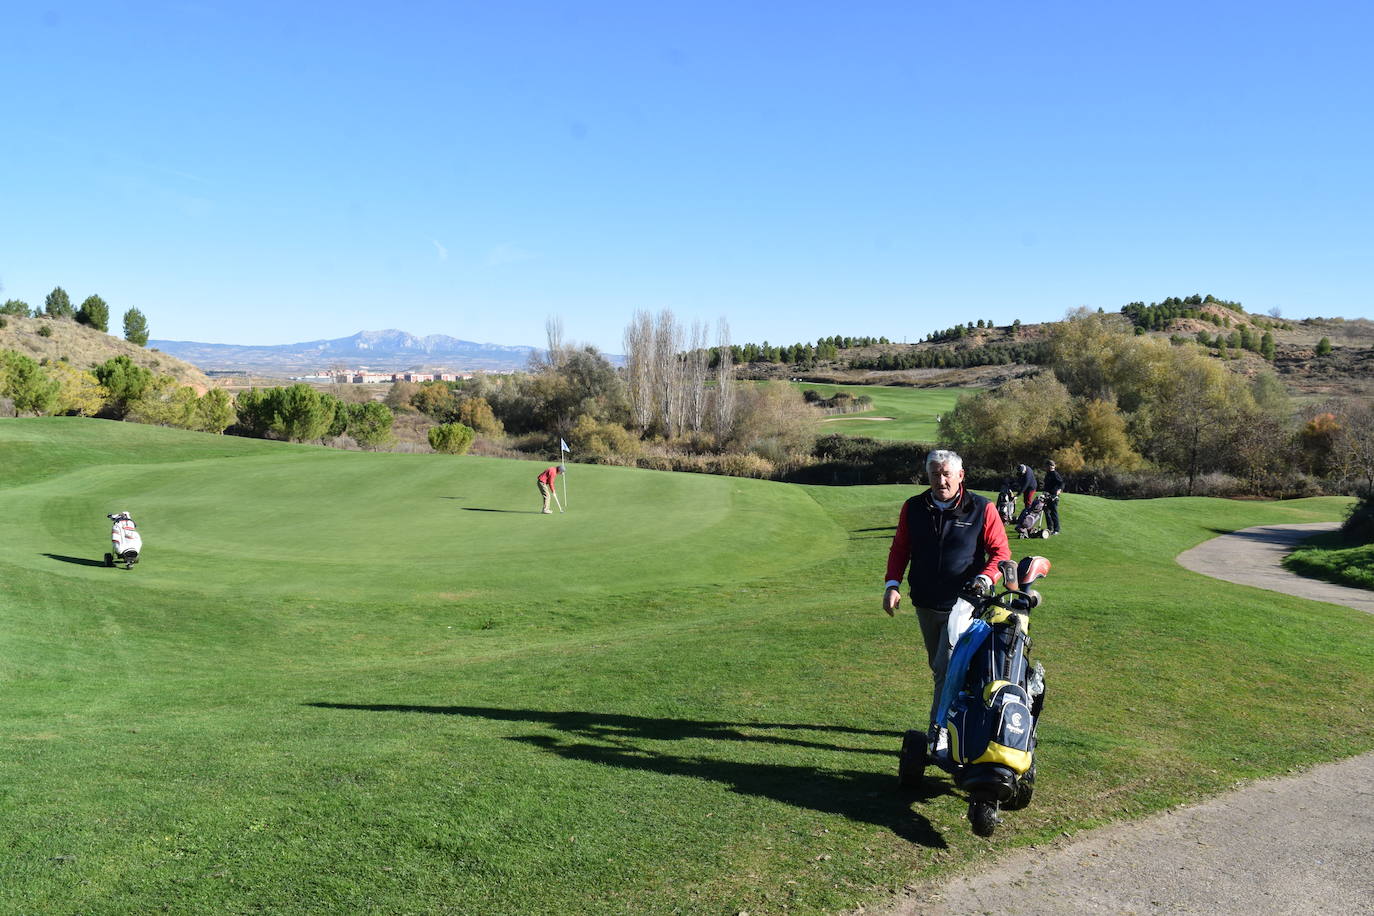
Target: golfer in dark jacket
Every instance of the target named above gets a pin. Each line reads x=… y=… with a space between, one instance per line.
x=951 y=540
x=1026 y=484
x=1054 y=485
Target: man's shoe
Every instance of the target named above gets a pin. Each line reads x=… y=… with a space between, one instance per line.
x=546 y=512
x=938 y=746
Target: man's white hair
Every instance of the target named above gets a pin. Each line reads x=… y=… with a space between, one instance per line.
x=940 y=457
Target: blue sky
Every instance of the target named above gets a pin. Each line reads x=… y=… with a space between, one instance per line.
x=274 y=172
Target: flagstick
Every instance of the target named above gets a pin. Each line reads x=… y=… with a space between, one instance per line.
x=562 y=451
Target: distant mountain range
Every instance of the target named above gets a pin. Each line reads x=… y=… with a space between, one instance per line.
x=381 y=350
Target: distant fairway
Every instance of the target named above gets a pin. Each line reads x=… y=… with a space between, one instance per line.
x=349 y=682
x=913 y=411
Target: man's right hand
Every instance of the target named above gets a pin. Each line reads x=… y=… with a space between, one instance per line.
x=891 y=598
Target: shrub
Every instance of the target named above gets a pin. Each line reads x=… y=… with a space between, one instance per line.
x=451 y=438
x=1359 y=523
x=773 y=421
x=369 y=424
x=591 y=438
x=125 y=382
x=25 y=384
x=215 y=411
x=477 y=413
x=79 y=392
x=735 y=465
x=44 y=330
x=855 y=460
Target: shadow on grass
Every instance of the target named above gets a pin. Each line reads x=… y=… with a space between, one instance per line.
x=79 y=561
x=873 y=537
x=511 y=511
x=858 y=795
x=1270 y=534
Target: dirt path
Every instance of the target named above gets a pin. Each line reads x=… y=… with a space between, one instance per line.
x=1299 y=844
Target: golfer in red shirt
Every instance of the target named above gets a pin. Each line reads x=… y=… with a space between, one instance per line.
x=546 y=489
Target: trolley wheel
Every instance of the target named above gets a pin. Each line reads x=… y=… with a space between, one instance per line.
x=109 y=560
x=911 y=763
x=983 y=816
x=1025 y=791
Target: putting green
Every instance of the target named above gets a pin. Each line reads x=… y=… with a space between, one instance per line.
x=414 y=528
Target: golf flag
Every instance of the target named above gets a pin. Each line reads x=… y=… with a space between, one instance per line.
x=563 y=447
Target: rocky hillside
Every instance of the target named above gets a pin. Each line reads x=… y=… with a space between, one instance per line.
x=86 y=347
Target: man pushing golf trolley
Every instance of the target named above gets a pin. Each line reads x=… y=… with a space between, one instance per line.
x=991 y=700
x=952 y=547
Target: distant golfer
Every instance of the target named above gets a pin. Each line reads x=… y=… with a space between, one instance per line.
x=1026 y=484
x=1054 y=485
x=546 y=489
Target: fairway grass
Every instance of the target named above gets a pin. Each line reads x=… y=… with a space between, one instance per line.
x=351 y=682
x=898 y=413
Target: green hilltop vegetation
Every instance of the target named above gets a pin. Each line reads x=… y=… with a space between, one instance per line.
x=366 y=682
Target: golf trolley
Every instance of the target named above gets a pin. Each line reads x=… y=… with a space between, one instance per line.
x=1031 y=522
x=1006 y=504
x=126 y=541
x=991 y=701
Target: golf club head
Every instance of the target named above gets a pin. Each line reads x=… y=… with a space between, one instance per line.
x=1032 y=568
x=1009 y=576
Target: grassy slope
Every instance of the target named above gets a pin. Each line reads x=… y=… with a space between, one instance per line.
x=913 y=411
x=679 y=697
x=86 y=347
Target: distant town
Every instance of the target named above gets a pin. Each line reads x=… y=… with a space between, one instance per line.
x=363 y=376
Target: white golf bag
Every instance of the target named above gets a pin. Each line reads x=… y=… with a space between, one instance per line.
x=126 y=541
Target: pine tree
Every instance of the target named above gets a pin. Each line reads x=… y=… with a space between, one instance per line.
x=135 y=327
x=94 y=313
x=58 y=304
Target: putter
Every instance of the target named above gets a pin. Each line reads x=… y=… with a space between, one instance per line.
x=556 y=499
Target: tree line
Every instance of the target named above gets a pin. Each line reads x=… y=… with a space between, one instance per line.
x=1111 y=401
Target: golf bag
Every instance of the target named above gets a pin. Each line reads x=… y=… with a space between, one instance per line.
x=1006 y=504
x=127 y=542
x=1031 y=522
x=991 y=703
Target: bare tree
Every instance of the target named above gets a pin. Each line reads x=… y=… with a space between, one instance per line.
x=668 y=371
x=1354 y=445
x=696 y=360
x=640 y=355
x=725 y=381
x=553 y=330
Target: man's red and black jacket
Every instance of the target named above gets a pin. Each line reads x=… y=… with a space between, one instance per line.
x=945 y=548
